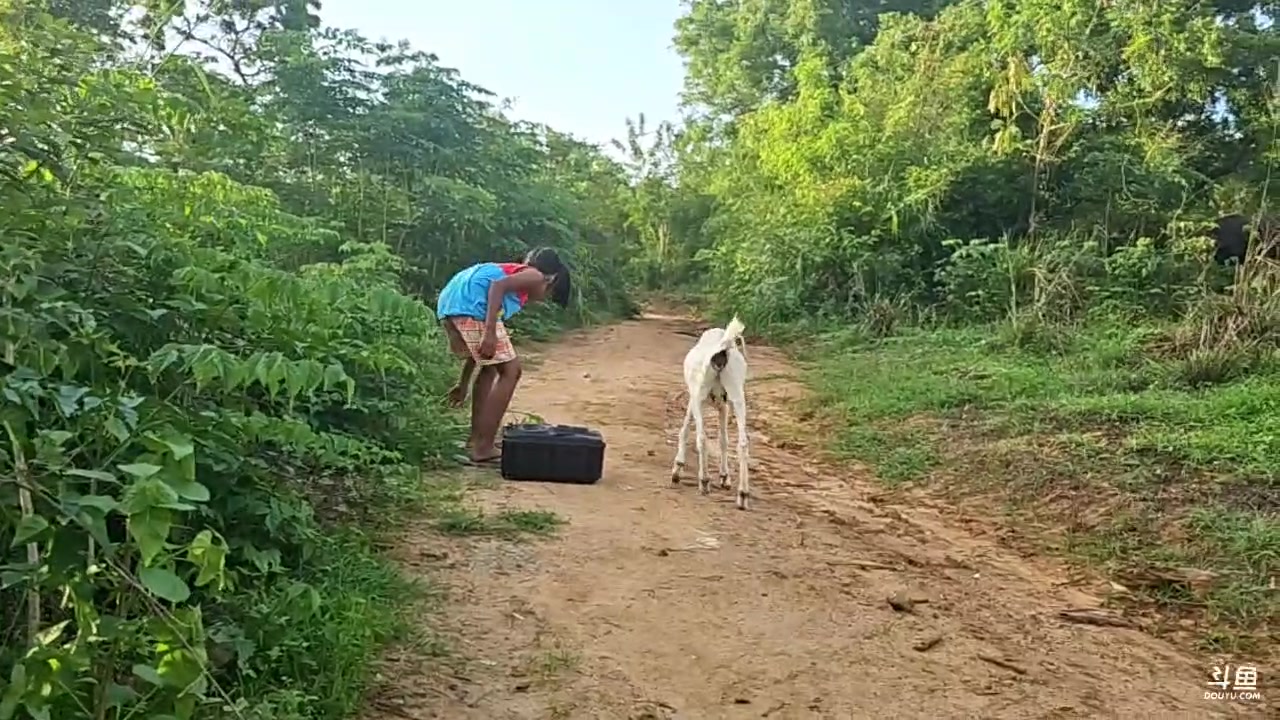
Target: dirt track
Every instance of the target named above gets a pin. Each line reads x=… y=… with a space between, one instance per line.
x=656 y=602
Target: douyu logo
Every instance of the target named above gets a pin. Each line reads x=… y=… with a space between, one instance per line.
x=1240 y=685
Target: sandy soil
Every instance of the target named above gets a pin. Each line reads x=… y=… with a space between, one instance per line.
x=656 y=602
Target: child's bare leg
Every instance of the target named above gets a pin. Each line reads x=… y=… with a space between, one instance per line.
x=494 y=407
x=480 y=392
x=469 y=378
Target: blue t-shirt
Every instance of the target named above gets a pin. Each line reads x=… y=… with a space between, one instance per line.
x=467 y=293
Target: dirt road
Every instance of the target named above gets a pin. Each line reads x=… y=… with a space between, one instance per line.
x=655 y=602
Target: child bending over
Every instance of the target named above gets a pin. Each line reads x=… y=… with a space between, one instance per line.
x=472 y=307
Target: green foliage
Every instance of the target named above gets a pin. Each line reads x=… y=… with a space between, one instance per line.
x=1153 y=472
x=740 y=54
x=217 y=344
x=1001 y=209
x=841 y=153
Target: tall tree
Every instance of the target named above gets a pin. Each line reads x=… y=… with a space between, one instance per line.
x=741 y=54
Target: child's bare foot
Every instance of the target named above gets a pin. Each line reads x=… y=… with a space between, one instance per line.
x=487 y=453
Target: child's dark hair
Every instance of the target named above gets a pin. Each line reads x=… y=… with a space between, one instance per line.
x=548 y=262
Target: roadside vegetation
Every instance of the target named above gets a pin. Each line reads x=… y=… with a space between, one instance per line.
x=983 y=226
x=223 y=226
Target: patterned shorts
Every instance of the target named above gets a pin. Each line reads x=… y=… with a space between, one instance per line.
x=465 y=335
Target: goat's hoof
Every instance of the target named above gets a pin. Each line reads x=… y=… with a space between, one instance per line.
x=743 y=499
x=704 y=487
x=675 y=477
x=724 y=480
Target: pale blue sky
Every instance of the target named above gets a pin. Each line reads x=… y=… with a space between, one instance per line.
x=580 y=66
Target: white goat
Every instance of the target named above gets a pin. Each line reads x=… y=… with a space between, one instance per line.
x=716 y=369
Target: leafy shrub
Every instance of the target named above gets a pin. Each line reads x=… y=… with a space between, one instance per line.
x=211 y=351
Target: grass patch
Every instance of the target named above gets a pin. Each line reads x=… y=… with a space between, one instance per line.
x=553 y=662
x=898 y=454
x=349 y=605
x=1152 y=466
x=302 y=644
x=447 y=508
x=326 y=625
x=506 y=523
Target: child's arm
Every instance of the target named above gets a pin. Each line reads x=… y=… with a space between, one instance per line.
x=523 y=281
x=467 y=366
x=459 y=391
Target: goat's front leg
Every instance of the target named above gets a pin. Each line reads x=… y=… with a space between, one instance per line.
x=681 y=442
x=704 y=485
x=740 y=411
x=724 y=444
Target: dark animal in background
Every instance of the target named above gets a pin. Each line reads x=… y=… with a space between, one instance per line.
x=1232 y=235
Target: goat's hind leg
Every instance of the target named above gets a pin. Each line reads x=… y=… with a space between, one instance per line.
x=739 y=401
x=704 y=485
x=724 y=444
x=681 y=442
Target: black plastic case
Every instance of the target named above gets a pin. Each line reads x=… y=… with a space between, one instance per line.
x=552 y=453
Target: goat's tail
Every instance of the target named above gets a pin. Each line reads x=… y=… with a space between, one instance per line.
x=731 y=337
x=732 y=333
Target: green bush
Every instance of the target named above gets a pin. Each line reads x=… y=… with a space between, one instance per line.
x=995 y=214
x=218 y=365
